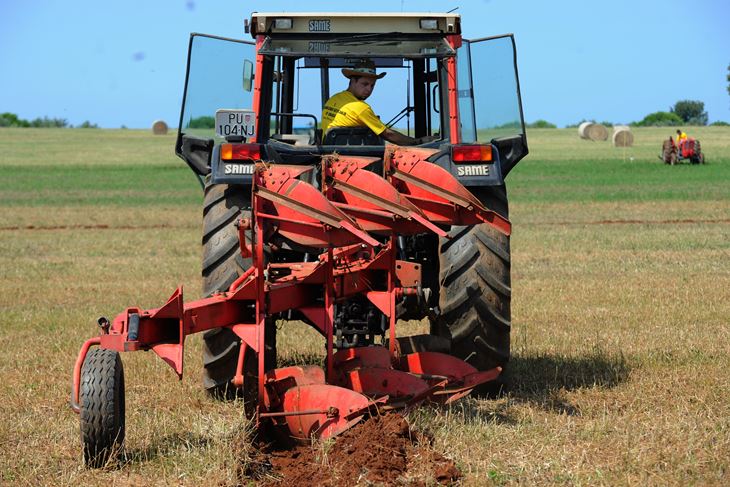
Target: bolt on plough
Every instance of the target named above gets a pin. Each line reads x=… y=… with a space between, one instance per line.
x=349 y=219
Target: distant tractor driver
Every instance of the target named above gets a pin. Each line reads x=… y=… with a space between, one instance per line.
x=681 y=138
x=348 y=108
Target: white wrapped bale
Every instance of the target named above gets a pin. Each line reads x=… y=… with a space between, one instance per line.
x=582 y=130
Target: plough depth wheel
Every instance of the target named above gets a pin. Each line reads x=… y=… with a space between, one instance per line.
x=102 y=407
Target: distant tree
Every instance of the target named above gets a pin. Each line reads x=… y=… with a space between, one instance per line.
x=659 y=119
x=88 y=125
x=692 y=112
x=577 y=124
x=719 y=123
x=8 y=119
x=541 y=124
x=509 y=125
x=46 y=122
x=204 y=122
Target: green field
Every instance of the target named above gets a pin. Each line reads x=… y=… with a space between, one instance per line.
x=620 y=303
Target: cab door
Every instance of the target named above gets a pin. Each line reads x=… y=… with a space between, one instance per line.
x=219 y=74
x=490 y=104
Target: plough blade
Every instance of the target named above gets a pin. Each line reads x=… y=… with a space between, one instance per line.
x=352 y=358
x=468 y=383
x=377 y=382
x=417 y=376
x=302 y=375
x=371 y=200
x=320 y=410
x=435 y=364
x=436 y=192
x=302 y=213
x=461 y=377
x=278 y=381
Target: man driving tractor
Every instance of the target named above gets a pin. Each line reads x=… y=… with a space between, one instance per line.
x=681 y=138
x=348 y=108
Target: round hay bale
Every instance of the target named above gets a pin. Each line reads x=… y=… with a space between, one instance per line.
x=596 y=131
x=583 y=130
x=592 y=131
x=159 y=127
x=623 y=137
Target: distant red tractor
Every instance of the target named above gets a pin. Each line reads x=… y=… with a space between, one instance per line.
x=688 y=150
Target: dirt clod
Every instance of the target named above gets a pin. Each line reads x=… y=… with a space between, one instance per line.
x=382 y=450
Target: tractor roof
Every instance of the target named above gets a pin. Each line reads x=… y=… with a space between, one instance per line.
x=323 y=23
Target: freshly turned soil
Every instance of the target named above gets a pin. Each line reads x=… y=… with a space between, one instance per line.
x=381 y=450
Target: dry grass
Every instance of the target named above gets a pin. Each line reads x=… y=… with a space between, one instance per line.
x=621 y=343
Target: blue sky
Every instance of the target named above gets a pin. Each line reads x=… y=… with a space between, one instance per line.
x=123 y=62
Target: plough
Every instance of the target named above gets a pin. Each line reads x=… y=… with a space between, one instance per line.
x=349 y=218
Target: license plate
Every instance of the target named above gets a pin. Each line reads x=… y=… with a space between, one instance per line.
x=235 y=123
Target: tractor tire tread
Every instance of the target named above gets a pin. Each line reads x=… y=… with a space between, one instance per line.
x=475 y=293
x=222 y=263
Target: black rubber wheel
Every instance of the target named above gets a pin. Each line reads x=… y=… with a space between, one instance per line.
x=223 y=206
x=700 y=154
x=102 y=407
x=475 y=292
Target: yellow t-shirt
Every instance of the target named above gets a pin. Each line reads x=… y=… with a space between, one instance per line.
x=681 y=137
x=345 y=110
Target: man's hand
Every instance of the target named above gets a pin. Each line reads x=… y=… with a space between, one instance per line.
x=426 y=138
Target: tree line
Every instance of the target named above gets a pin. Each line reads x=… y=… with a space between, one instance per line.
x=684 y=112
x=8 y=119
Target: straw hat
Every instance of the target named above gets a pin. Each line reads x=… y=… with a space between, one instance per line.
x=365 y=68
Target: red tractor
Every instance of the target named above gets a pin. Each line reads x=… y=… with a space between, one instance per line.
x=689 y=150
x=337 y=230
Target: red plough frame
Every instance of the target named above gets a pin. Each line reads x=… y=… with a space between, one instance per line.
x=354 y=220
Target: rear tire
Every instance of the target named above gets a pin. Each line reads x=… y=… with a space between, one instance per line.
x=475 y=288
x=102 y=403
x=223 y=206
x=700 y=154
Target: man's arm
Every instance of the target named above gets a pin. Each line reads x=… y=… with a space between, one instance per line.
x=398 y=138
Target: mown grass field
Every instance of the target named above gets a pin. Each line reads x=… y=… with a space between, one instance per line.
x=621 y=315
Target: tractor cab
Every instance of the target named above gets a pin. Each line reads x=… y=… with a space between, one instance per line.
x=246 y=101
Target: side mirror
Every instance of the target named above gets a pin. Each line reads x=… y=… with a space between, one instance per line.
x=247 y=75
